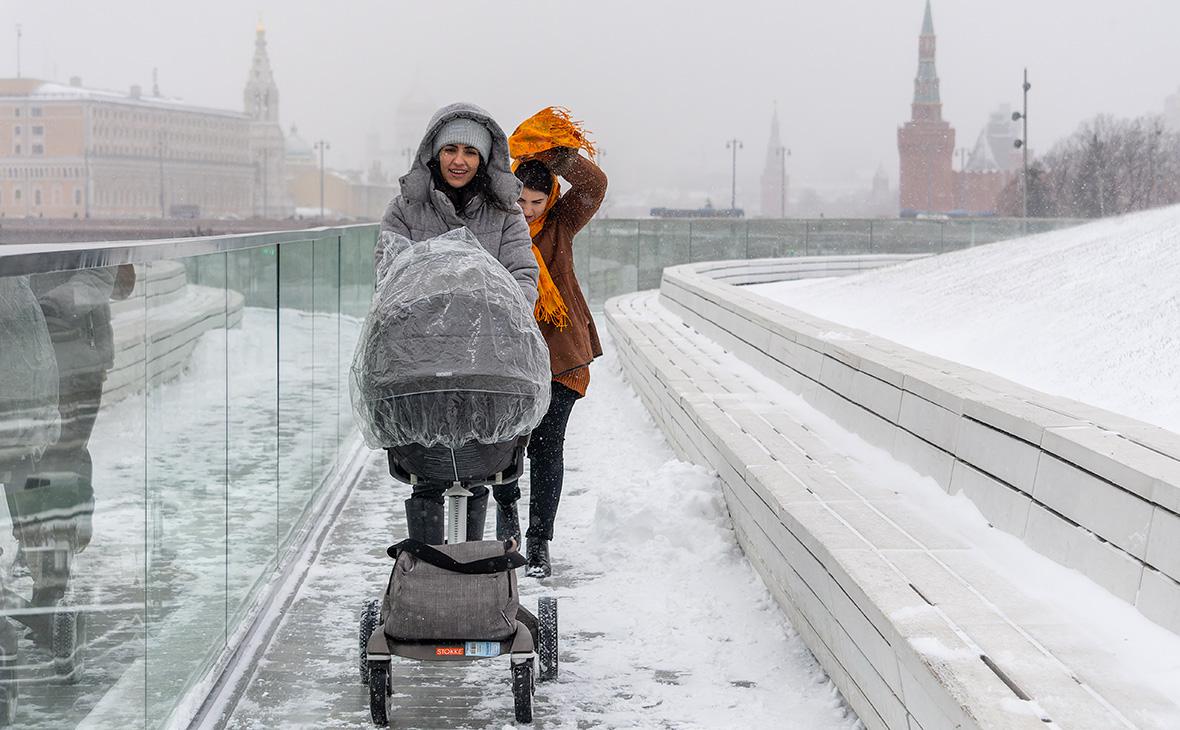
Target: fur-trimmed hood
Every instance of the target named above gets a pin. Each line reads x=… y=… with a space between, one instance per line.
x=417 y=185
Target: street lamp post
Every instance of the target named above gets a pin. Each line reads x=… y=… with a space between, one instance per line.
x=322 y=145
x=18 y=35
x=735 y=145
x=1022 y=143
x=783 y=154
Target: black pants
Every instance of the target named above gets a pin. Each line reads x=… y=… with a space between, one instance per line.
x=546 y=465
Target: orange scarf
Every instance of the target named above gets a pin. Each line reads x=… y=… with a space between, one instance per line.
x=551 y=127
x=550 y=306
x=548 y=128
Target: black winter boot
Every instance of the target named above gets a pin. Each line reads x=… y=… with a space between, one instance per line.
x=424 y=520
x=537 y=553
x=507 y=522
x=477 y=513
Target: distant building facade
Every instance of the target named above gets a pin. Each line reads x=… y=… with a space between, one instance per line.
x=991 y=165
x=346 y=194
x=67 y=151
x=927 y=180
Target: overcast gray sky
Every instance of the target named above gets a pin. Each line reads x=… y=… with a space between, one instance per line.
x=661 y=83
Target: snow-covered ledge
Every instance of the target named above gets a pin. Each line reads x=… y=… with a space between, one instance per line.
x=1091 y=489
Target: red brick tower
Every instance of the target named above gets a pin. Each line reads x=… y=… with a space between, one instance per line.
x=926 y=144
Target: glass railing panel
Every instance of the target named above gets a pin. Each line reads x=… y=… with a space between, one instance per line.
x=72 y=463
x=154 y=478
x=296 y=443
x=1042 y=225
x=614 y=260
x=326 y=401
x=909 y=237
x=252 y=342
x=186 y=412
x=984 y=230
x=584 y=244
x=662 y=243
x=769 y=238
x=717 y=240
x=356 y=293
x=836 y=237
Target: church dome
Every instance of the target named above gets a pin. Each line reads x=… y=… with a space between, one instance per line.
x=298 y=149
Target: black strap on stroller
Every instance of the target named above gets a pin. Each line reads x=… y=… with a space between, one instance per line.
x=483 y=566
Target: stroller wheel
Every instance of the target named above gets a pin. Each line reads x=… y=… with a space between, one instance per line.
x=547 y=638
x=69 y=635
x=379 y=693
x=369 y=616
x=522 y=690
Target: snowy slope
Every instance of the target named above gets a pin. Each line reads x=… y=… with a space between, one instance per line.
x=1091 y=313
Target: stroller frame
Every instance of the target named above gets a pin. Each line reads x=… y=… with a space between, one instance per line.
x=531 y=636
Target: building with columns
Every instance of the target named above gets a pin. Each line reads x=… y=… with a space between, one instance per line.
x=927 y=180
x=68 y=151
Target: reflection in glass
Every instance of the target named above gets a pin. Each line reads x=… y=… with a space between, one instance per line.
x=164 y=429
x=72 y=623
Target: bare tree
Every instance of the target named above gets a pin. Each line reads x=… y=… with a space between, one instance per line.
x=1107 y=167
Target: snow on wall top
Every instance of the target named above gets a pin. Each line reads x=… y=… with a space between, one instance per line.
x=1090 y=313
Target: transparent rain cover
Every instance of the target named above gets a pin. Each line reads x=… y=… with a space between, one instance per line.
x=449 y=352
x=29 y=419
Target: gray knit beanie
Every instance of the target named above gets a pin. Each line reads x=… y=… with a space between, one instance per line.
x=464 y=131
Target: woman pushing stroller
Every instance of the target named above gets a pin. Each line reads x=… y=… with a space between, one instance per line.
x=459 y=178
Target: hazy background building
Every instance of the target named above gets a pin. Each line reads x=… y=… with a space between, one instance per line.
x=927 y=180
x=774 y=173
x=267 y=148
x=74 y=152
x=366 y=75
x=70 y=151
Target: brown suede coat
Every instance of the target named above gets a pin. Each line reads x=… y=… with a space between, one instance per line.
x=577 y=344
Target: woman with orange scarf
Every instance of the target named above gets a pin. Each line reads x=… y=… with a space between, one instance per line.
x=546 y=146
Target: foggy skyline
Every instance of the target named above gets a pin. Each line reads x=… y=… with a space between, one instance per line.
x=662 y=85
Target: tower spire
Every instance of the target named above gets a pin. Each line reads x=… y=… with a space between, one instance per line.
x=261 y=95
x=927 y=101
x=774 y=178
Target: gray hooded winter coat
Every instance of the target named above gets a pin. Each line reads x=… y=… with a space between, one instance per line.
x=422 y=212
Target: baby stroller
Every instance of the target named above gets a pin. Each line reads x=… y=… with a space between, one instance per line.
x=450 y=375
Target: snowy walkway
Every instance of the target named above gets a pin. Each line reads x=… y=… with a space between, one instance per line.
x=664 y=623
